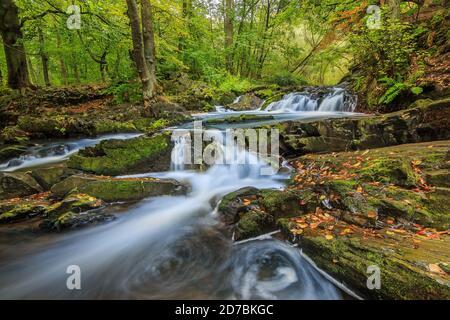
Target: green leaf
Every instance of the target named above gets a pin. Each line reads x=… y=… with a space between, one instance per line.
x=417 y=90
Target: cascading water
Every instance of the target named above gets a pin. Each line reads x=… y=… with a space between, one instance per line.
x=169 y=247
x=338 y=100
x=47 y=153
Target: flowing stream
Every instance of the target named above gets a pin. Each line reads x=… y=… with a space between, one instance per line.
x=169 y=247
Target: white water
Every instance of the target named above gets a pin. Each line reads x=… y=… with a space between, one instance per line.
x=338 y=100
x=47 y=153
x=170 y=247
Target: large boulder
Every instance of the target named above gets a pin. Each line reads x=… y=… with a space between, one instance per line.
x=18 y=184
x=112 y=189
x=386 y=207
x=248 y=101
x=11 y=151
x=76 y=210
x=49 y=176
x=424 y=122
x=115 y=157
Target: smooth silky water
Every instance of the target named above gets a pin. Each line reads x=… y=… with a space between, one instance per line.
x=169 y=247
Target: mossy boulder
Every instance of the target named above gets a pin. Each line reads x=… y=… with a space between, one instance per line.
x=426 y=122
x=18 y=184
x=232 y=205
x=238 y=119
x=395 y=171
x=406 y=262
x=75 y=211
x=248 y=101
x=253 y=223
x=112 y=189
x=11 y=151
x=22 y=211
x=76 y=203
x=49 y=176
x=55 y=126
x=115 y=157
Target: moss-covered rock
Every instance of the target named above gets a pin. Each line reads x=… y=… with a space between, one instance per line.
x=55 y=126
x=253 y=223
x=248 y=101
x=72 y=220
x=22 y=211
x=11 y=151
x=405 y=261
x=427 y=122
x=49 y=176
x=17 y=184
x=114 y=157
x=112 y=189
x=238 y=119
x=76 y=203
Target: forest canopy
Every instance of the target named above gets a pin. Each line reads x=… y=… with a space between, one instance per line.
x=228 y=44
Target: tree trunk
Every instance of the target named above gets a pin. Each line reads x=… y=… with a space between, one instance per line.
x=44 y=58
x=228 y=28
x=11 y=33
x=62 y=64
x=139 y=56
x=186 y=13
x=148 y=38
x=32 y=71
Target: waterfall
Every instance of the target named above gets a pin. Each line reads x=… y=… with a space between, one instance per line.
x=46 y=153
x=337 y=100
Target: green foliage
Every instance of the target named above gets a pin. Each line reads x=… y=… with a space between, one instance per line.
x=287 y=79
x=395 y=88
x=125 y=92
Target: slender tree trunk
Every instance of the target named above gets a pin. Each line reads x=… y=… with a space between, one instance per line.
x=186 y=13
x=228 y=28
x=62 y=64
x=148 y=39
x=16 y=59
x=44 y=58
x=76 y=72
x=139 y=56
x=32 y=71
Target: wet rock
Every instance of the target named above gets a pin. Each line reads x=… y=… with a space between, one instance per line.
x=21 y=211
x=75 y=211
x=238 y=119
x=232 y=204
x=11 y=151
x=113 y=190
x=114 y=157
x=253 y=223
x=427 y=122
x=62 y=188
x=56 y=126
x=246 y=102
x=17 y=184
x=72 y=220
x=77 y=203
x=404 y=260
x=47 y=177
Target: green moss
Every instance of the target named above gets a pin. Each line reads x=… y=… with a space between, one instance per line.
x=237 y=119
x=395 y=171
x=21 y=211
x=115 y=157
x=109 y=126
x=253 y=223
x=112 y=190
